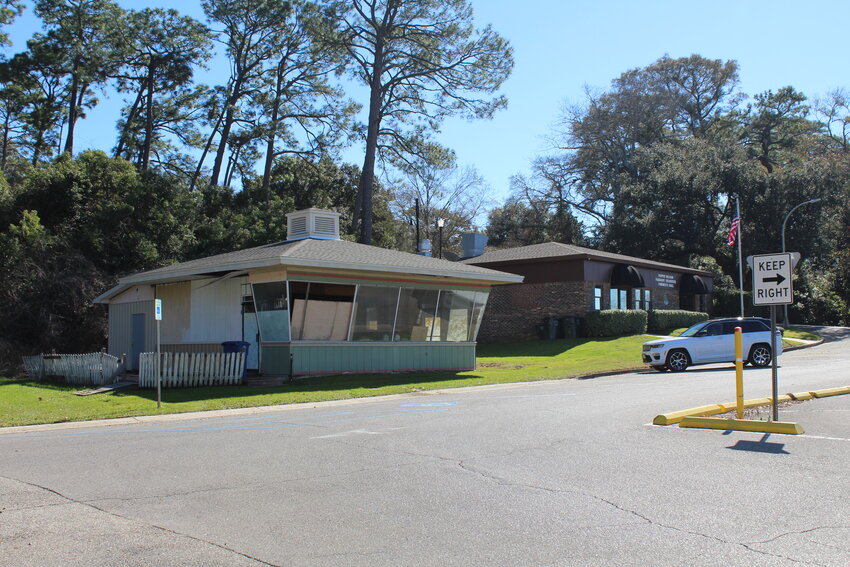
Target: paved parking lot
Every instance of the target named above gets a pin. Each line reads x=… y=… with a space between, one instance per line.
x=549 y=473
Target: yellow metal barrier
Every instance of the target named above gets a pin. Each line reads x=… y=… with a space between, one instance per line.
x=675 y=417
x=739 y=373
x=786 y=427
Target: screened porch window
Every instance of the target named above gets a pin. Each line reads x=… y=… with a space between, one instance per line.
x=416 y=311
x=321 y=311
x=374 y=313
x=271 y=307
x=454 y=316
x=334 y=312
x=477 y=312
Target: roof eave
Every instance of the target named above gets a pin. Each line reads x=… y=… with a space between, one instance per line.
x=172 y=275
x=492 y=276
x=104 y=297
x=591 y=257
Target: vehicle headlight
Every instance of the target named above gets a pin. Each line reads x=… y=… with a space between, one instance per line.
x=656 y=346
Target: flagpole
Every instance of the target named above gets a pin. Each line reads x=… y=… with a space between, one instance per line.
x=740 y=262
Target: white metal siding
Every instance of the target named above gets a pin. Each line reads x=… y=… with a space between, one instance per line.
x=134 y=295
x=176 y=317
x=216 y=311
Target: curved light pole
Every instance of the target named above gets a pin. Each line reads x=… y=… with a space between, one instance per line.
x=784 y=222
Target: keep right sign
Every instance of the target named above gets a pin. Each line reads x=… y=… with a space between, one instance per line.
x=772 y=279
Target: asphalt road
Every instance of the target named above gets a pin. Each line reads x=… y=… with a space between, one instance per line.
x=566 y=473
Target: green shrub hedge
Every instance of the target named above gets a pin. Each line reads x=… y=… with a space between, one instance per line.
x=614 y=322
x=664 y=320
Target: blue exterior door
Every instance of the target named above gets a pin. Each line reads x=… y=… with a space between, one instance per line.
x=137 y=339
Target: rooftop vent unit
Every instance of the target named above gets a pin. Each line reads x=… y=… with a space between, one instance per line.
x=472 y=244
x=312 y=223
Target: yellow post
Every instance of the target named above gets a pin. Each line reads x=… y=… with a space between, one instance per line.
x=739 y=373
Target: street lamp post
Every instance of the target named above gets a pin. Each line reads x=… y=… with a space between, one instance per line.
x=440 y=224
x=784 y=222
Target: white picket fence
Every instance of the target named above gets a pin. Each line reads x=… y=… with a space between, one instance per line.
x=188 y=369
x=94 y=369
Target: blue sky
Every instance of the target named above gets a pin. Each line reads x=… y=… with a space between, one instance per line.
x=561 y=46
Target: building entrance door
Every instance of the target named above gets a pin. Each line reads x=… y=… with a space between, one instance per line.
x=137 y=339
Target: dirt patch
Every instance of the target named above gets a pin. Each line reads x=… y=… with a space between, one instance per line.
x=760 y=413
x=500 y=365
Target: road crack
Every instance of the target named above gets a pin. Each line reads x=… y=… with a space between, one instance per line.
x=799 y=532
x=142 y=522
x=643 y=518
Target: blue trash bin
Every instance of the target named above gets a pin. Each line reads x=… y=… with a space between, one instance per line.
x=237 y=346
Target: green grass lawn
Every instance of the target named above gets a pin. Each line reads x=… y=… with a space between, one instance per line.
x=792 y=333
x=24 y=402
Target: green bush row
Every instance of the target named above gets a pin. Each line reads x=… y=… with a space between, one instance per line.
x=662 y=321
x=614 y=322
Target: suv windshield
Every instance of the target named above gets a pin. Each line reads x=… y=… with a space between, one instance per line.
x=690 y=332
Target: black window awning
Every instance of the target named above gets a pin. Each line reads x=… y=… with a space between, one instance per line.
x=691 y=283
x=625 y=275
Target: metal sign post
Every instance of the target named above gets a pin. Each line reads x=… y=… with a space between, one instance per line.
x=772 y=286
x=773 y=365
x=157 y=315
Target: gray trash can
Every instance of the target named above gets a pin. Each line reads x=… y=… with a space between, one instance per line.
x=552 y=325
x=569 y=327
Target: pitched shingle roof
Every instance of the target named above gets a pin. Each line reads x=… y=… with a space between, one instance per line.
x=553 y=250
x=317 y=253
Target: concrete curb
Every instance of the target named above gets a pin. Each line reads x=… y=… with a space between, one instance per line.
x=606 y=373
x=784 y=427
x=675 y=417
x=806 y=345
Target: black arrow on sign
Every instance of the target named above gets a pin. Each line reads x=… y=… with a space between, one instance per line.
x=778 y=278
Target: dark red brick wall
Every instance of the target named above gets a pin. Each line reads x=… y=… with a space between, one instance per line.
x=514 y=311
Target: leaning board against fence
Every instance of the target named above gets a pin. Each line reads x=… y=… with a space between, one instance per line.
x=94 y=369
x=34 y=367
x=188 y=369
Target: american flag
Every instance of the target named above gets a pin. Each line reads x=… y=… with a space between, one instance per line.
x=733 y=230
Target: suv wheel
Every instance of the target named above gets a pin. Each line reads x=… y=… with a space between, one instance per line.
x=678 y=360
x=760 y=356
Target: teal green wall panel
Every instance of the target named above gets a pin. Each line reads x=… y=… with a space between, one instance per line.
x=369 y=357
x=275 y=360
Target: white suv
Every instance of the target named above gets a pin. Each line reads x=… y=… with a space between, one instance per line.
x=713 y=341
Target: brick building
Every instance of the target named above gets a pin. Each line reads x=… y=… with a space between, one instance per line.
x=562 y=280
